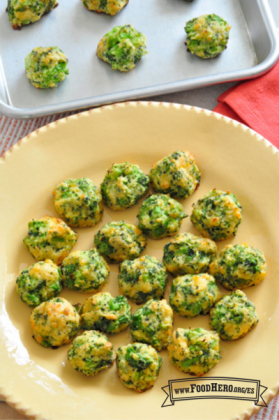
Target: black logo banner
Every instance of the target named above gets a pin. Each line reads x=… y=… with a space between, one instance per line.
x=214 y=387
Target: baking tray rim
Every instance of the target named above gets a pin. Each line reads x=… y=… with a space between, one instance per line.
x=187 y=84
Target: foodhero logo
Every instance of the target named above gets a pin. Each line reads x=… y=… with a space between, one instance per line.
x=212 y=388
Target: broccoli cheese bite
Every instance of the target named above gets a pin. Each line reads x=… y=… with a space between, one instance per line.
x=207 y=35
x=123 y=186
x=142 y=279
x=105 y=313
x=160 y=216
x=239 y=266
x=78 y=202
x=119 y=241
x=55 y=322
x=39 y=282
x=176 y=175
x=122 y=47
x=85 y=271
x=110 y=7
x=217 y=215
x=194 y=351
x=23 y=13
x=188 y=254
x=46 y=67
x=194 y=294
x=233 y=316
x=90 y=353
x=138 y=366
x=49 y=238
x=152 y=324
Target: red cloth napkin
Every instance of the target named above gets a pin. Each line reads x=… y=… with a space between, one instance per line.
x=256 y=104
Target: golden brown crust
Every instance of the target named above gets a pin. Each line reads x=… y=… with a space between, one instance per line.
x=139 y=391
x=18 y=28
x=101 y=11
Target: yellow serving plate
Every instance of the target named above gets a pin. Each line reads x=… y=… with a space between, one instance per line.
x=39 y=382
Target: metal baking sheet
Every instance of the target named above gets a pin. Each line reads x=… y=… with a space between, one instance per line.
x=252 y=50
